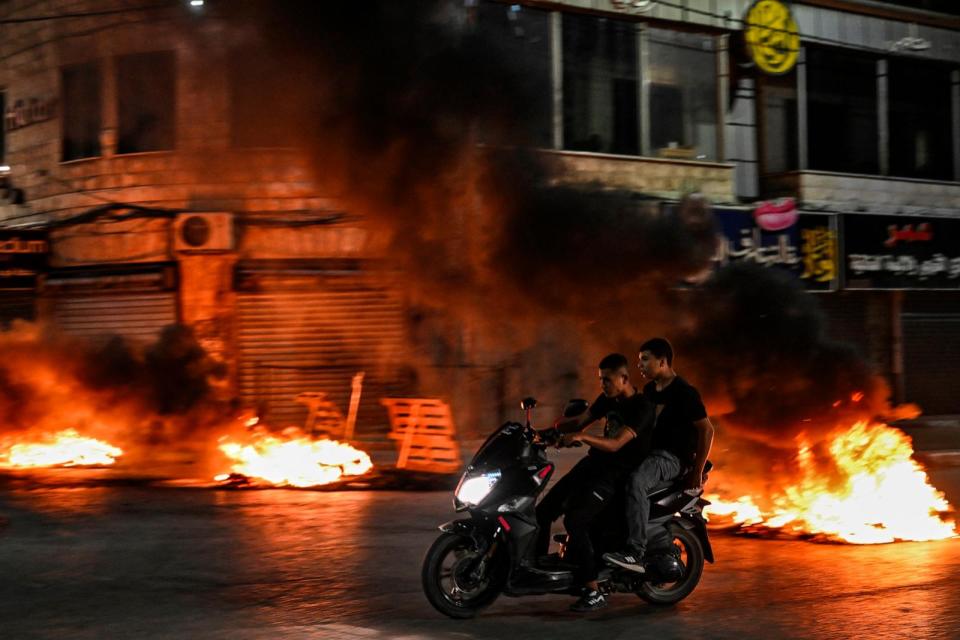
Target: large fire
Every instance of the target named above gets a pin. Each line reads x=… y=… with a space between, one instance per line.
x=293 y=460
x=65 y=448
x=866 y=489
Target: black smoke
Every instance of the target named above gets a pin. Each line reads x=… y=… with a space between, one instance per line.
x=420 y=123
x=420 y=120
x=760 y=341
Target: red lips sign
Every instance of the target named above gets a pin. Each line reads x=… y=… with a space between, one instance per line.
x=776 y=215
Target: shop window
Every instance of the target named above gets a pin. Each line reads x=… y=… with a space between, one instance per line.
x=778 y=121
x=80 y=93
x=146 y=99
x=682 y=70
x=600 y=85
x=921 y=133
x=522 y=37
x=842 y=111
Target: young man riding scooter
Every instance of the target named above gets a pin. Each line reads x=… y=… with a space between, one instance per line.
x=682 y=437
x=584 y=492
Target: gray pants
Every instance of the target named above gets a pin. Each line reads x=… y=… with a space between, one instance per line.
x=659 y=466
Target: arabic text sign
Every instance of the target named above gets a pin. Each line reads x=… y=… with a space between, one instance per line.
x=808 y=249
x=901 y=252
x=23 y=256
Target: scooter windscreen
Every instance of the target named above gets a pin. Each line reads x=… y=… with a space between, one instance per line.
x=502 y=448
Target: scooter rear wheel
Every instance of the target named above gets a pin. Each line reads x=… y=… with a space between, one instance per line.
x=447 y=577
x=691 y=556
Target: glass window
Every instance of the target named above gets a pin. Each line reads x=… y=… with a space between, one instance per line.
x=146 y=98
x=921 y=133
x=778 y=96
x=80 y=87
x=600 y=85
x=842 y=111
x=683 y=94
x=522 y=35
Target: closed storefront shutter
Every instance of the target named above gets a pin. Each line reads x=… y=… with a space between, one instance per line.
x=313 y=334
x=136 y=306
x=931 y=356
x=16 y=305
x=137 y=316
x=846 y=318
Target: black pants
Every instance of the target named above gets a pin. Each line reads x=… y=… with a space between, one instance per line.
x=581 y=494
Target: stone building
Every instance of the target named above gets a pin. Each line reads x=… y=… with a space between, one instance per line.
x=121 y=143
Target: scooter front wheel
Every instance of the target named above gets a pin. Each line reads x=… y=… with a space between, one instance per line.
x=452 y=582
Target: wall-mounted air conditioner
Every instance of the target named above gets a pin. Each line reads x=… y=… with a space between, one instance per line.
x=200 y=232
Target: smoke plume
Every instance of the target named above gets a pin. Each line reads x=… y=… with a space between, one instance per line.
x=421 y=123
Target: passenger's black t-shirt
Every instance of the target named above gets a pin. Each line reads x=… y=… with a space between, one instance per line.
x=635 y=412
x=681 y=407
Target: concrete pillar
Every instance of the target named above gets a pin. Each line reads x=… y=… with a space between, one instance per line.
x=208 y=306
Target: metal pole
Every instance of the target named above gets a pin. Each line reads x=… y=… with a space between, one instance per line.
x=802 y=138
x=643 y=51
x=955 y=104
x=883 y=118
x=556 y=76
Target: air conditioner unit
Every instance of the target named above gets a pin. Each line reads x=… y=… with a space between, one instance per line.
x=202 y=232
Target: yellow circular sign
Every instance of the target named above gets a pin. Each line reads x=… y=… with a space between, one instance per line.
x=771 y=35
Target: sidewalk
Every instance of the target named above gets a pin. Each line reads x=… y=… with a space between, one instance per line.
x=936 y=439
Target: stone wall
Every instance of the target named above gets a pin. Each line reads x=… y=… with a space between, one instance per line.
x=875 y=194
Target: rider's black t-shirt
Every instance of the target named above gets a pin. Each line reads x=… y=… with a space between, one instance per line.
x=635 y=412
x=678 y=407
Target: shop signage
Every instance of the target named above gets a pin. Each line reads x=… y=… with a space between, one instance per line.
x=901 y=252
x=24 y=113
x=771 y=35
x=23 y=257
x=633 y=6
x=807 y=248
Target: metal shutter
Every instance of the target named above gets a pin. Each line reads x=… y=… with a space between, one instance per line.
x=16 y=305
x=137 y=316
x=315 y=337
x=931 y=356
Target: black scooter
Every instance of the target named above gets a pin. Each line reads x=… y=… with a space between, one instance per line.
x=476 y=559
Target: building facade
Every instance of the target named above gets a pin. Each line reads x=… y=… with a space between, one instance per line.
x=124 y=146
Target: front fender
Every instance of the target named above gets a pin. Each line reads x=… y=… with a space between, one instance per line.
x=482 y=531
x=699 y=527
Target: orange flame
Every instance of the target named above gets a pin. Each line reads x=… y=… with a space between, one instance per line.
x=877 y=493
x=66 y=448
x=297 y=462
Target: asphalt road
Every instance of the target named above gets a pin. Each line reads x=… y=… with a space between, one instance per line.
x=138 y=562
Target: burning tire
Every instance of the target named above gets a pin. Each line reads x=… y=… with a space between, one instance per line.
x=691 y=557
x=451 y=582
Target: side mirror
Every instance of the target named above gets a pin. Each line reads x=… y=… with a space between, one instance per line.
x=528 y=403
x=575 y=407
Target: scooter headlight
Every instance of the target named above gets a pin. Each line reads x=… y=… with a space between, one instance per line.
x=474 y=489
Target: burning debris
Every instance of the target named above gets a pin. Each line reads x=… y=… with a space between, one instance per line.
x=72 y=403
x=66 y=448
x=859 y=485
x=290 y=459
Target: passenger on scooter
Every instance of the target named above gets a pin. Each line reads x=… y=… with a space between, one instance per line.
x=682 y=437
x=583 y=492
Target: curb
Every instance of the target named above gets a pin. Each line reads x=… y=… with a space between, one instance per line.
x=946 y=458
